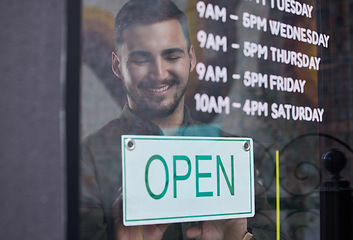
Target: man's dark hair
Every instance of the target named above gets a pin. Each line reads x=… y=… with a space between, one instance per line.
x=137 y=12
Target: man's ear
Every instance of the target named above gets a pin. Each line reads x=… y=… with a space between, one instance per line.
x=192 y=56
x=116 y=65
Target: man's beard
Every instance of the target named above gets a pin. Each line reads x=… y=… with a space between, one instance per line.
x=148 y=110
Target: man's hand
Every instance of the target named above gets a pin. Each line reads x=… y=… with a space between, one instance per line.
x=233 y=229
x=147 y=232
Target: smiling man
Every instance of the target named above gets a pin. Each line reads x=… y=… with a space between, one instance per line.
x=153 y=58
x=154 y=62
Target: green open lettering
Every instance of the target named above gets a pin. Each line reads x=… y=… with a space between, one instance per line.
x=229 y=184
x=160 y=158
x=202 y=175
x=180 y=177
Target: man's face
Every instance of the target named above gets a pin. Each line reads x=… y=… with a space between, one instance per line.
x=154 y=63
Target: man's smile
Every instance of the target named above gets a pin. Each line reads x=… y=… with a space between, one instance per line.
x=157 y=90
x=154 y=87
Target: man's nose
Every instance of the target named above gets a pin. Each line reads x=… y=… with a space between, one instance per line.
x=159 y=70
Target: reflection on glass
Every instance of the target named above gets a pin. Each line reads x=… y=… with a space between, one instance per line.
x=263 y=69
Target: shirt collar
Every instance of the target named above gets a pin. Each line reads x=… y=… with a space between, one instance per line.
x=139 y=125
x=134 y=124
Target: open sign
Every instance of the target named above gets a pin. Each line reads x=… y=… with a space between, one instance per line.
x=180 y=179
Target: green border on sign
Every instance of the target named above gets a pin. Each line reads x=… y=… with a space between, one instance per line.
x=187 y=139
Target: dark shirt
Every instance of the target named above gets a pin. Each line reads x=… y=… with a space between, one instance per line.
x=101 y=175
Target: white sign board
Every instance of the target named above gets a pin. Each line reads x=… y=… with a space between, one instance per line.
x=183 y=179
